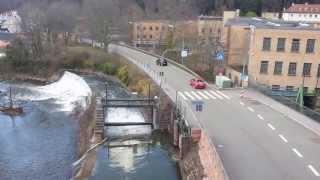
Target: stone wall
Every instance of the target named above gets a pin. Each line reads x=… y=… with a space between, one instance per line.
x=210 y=160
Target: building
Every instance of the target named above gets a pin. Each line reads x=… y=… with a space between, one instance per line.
x=149 y=34
x=281 y=55
x=10 y=21
x=302 y=12
x=209 y=29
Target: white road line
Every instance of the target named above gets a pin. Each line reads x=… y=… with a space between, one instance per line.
x=196 y=95
x=297 y=152
x=250 y=109
x=203 y=95
x=260 y=117
x=209 y=95
x=222 y=94
x=314 y=171
x=189 y=95
x=283 y=138
x=271 y=127
x=215 y=94
x=242 y=104
x=182 y=95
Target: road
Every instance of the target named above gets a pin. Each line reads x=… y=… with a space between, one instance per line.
x=254 y=141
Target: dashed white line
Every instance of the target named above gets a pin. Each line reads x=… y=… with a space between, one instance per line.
x=196 y=95
x=209 y=95
x=283 y=138
x=217 y=95
x=189 y=95
x=250 y=109
x=260 y=117
x=222 y=94
x=297 y=152
x=182 y=95
x=271 y=127
x=203 y=95
x=314 y=171
x=242 y=104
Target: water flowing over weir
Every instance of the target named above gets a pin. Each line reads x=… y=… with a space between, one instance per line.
x=134 y=152
x=41 y=144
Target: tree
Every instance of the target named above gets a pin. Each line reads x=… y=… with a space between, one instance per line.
x=251 y=14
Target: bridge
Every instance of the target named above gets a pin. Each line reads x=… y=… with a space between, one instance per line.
x=254 y=140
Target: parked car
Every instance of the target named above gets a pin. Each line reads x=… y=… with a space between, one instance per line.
x=198 y=83
x=162 y=62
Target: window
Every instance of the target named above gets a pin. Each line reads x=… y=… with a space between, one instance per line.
x=144 y=36
x=157 y=28
x=278 y=68
x=210 y=30
x=266 y=44
x=203 y=30
x=144 y=28
x=150 y=28
x=290 y=88
x=292 y=69
x=275 y=87
x=310 y=45
x=264 y=67
x=295 y=46
x=138 y=36
x=316 y=16
x=305 y=89
x=306 y=69
x=150 y=36
x=318 y=73
x=281 y=44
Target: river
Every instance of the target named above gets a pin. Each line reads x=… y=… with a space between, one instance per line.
x=41 y=144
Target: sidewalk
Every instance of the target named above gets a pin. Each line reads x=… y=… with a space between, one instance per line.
x=285 y=110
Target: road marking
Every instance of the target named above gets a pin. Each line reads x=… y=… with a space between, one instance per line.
x=217 y=95
x=242 y=104
x=222 y=94
x=189 y=95
x=283 y=138
x=196 y=95
x=209 y=95
x=314 y=171
x=182 y=95
x=250 y=109
x=271 y=127
x=260 y=117
x=297 y=152
x=203 y=95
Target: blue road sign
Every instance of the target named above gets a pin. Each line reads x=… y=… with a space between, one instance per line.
x=198 y=106
x=220 y=56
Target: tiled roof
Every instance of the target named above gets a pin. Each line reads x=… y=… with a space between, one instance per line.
x=303 y=8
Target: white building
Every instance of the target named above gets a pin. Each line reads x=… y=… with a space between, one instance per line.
x=302 y=12
x=10 y=20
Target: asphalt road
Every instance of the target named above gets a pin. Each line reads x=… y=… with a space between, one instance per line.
x=254 y=141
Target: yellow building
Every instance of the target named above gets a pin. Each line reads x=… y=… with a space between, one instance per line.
x=281 y=55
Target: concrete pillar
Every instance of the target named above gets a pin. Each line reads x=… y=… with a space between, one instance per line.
x=155 y=118
x=175 y=133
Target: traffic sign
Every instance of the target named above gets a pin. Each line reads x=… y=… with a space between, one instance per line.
x=198 y=106
x=184 y=53
x=220 y=56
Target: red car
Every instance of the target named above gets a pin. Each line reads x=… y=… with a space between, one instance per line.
x=198 y=83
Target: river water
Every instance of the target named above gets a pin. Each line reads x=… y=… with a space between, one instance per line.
x=41 y=144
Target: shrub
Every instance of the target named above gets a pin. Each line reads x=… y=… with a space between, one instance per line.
x=123 y=75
